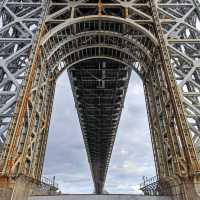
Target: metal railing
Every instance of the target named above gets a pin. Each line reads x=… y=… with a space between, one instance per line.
x=155 y=187
x=50 y=182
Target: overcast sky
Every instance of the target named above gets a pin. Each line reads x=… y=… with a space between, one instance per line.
x=66 y=156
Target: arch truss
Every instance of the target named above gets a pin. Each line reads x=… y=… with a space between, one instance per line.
x=99 y=42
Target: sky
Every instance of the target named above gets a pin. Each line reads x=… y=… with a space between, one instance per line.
x=66 y=157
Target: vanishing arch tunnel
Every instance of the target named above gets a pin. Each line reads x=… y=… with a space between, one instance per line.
x=99 y=56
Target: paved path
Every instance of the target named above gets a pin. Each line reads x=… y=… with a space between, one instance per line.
x=98 y=197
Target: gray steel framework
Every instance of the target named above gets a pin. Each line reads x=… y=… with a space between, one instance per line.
x=99 y=87
x=160 y=40
x=18 y=25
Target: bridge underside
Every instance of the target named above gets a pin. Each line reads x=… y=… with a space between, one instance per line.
x=99 y=87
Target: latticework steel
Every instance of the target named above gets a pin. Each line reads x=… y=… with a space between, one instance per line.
x=99 y=42
x=99 y=88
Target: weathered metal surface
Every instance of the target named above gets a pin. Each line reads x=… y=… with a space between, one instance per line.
x=160 y=40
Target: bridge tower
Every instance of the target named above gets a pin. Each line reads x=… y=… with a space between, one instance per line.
x=100 y=42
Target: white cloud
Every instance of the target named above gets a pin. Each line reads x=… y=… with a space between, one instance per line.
x=132 y=154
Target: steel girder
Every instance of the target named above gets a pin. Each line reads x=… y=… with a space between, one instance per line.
x=99 y=88
x=181 y=27
x=128 y=32
x=20 y=34
x=19 y=21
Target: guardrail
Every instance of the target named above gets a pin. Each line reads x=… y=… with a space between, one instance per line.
x=148 y=181
x=155 y=187
x=50 y=182
x=150 y=186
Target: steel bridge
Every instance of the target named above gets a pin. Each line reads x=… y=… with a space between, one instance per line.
x=99 y=43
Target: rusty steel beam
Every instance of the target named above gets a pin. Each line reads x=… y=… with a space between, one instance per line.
x=160 y=40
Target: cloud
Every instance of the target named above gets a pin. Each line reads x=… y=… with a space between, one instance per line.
x=132 y=154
